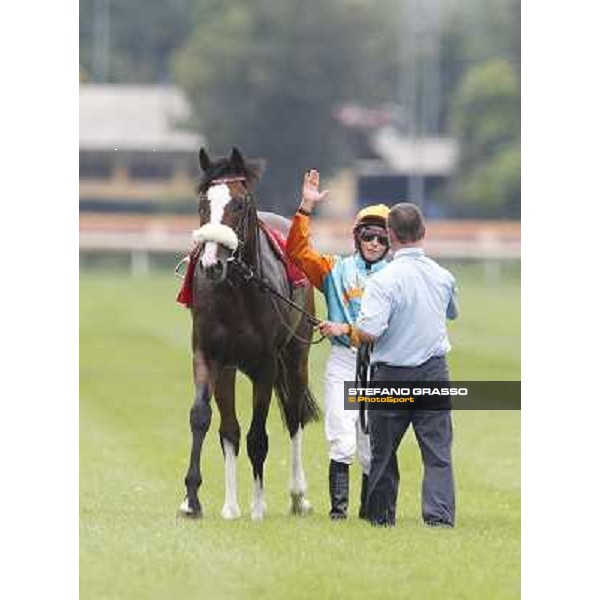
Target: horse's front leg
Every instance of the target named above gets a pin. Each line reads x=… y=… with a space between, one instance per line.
x=229 y=435
x=200 y=417
x=257 y=441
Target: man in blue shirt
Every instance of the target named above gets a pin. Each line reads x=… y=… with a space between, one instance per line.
x=404 y=312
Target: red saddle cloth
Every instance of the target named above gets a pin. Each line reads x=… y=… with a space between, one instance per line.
x=295 y=276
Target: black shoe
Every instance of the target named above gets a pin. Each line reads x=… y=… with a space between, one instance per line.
x=362 y=511
x=339 y=484
x=439 y=524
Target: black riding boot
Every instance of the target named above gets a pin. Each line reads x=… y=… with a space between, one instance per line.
x=362 y=511
x=339 y=482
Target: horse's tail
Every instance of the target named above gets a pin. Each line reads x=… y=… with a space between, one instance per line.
x=297 y=404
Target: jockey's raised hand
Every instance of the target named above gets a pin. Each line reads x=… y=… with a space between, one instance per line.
x=310 y=191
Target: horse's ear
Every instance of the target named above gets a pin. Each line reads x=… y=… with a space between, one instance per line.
x=236 y=160
x=204 y=160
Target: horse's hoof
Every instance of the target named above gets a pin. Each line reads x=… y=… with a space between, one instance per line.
x=187 y=512
x=258 y=511
x=300 y=505
x=231 y=511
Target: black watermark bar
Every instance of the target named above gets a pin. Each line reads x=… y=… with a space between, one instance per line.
x=433 y=395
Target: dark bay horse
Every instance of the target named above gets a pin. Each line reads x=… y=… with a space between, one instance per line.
x=238 y=326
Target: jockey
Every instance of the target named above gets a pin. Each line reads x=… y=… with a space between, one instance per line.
x=341 y=280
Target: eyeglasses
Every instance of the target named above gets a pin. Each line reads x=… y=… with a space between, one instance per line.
x=369 y=237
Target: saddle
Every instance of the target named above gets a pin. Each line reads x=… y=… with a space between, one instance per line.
x=296 y=278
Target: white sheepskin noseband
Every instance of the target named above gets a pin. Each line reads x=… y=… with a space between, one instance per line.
x=217 y=232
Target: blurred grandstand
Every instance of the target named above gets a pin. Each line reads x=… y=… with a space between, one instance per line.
x=138 y=163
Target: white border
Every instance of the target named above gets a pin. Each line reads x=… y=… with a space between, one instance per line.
x=561 y=166
x=39 y=446
x=39 y=300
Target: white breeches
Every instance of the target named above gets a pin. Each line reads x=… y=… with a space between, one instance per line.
x=342 y=427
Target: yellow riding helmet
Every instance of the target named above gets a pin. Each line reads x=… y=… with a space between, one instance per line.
x=376 y=214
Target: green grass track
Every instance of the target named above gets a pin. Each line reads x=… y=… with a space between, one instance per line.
x=136 y=390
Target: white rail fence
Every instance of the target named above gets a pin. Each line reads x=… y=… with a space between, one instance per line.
x=140 y=237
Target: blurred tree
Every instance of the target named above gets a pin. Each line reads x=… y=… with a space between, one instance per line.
x=486 y=119
x=141 y=37
x=265 y=76
x=474 y=32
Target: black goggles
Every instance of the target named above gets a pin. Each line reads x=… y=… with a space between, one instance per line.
x=369 y=236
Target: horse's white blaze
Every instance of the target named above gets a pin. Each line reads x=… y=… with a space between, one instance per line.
x=298 y=479
x=231 y=510
x=259 y=505
x=209 y=256
x=219 y=197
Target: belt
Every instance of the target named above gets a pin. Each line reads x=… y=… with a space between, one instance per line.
x=390 y=366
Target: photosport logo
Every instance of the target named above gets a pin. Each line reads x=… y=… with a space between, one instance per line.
x=433 y=395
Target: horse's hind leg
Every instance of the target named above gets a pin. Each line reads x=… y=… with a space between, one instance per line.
x=200 y=417
x=257 y=441
x=295 y=363
x=229 y=435
x=300 y=505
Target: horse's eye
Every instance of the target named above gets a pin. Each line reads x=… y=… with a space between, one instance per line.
x=237 y=205
x=203 y=210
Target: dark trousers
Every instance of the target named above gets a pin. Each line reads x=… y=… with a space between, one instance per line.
x=433 y=430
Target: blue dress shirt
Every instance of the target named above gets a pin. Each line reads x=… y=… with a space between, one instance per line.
x=405 y=307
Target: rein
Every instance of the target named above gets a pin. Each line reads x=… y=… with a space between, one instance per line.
x=248 y=275
x=363 y=360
